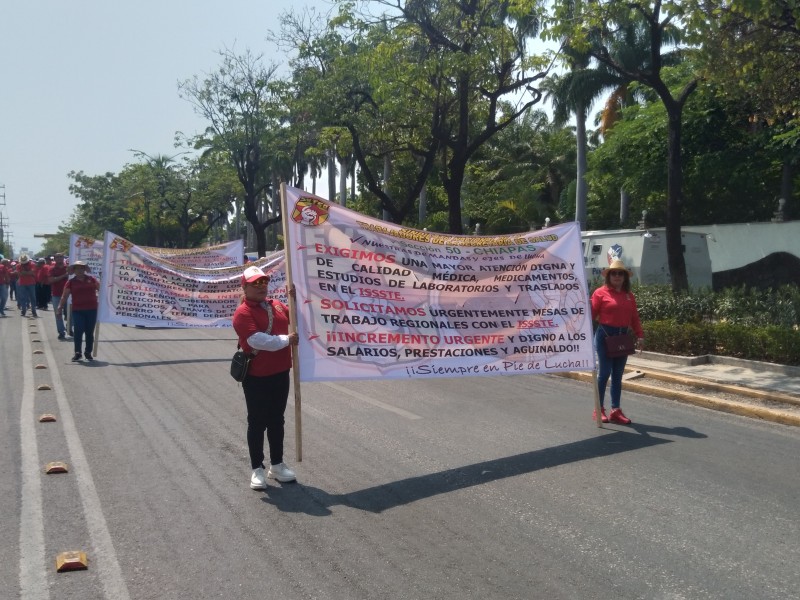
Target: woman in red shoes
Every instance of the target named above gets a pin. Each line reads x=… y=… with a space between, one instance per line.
x=614 y=309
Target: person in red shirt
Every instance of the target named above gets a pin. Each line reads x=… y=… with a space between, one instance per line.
x=57 y=280
x=42 y=285
x=5 y=283
x=12 y=288
x=83 y=288
x=26 y=285
x=263 y=329
x=614 y=308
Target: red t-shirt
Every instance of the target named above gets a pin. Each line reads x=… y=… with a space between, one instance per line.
x=616 y=309
x=84 y=293
x=5 y=275
x=43 y=274
x=57 y=287
x=250 y=317
x=27 y=273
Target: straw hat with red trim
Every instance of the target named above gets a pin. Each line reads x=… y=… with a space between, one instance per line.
x=616 y=265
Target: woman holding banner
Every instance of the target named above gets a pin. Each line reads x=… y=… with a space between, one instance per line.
x=263 y=329
x=83 y=288
x=614 y=308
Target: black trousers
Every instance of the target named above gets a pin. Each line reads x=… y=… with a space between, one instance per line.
x=266 y=399
x=43 y=296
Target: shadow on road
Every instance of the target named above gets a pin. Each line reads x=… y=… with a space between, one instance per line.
x=161 y=363
x=317 y=502
x=679 y=431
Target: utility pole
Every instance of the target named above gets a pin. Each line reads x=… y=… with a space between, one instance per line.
x=2 y=219
x=2 y=228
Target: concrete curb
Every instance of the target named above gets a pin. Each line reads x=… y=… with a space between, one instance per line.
x=745 y=410
x=716 y=386
x=714 y=359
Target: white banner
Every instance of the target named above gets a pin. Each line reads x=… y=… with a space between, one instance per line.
x=140 y=288
x=377 y=300
x=90 y=251
x=228 y=254
x=208 y=257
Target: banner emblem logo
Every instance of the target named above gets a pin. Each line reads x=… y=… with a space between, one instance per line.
x=120 y=244
x=310 y=212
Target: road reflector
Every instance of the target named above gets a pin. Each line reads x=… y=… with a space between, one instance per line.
x=38 y=351
x=40 y=367
x=56 y=467
x=74 y=560
x=36 y=340
x=44 y=386
x=47 y=418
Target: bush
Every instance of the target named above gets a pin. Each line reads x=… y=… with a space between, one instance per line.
x=750 y=307
x=772 y=343
x=740 y=322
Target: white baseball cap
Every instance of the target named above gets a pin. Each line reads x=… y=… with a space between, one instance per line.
x=252 y=274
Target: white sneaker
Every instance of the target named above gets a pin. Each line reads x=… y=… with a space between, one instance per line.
x=281 y=472
x=257 y=481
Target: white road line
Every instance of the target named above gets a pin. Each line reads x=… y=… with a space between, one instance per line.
x=373 y=402
x=103 y=556
x=32 y=579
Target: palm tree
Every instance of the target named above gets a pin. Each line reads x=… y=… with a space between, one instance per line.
x=163 y=171
x=653 y=29
x=576 y=91
x=521 y=175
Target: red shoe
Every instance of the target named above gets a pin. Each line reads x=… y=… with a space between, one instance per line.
x=603 y=417
x=618 y=417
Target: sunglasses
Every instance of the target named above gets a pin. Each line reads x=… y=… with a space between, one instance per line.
x=260 y=282
x=620 y=273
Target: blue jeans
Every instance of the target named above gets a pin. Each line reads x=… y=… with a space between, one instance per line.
x=59 y=316
x=83 y=322
x=26 y=296
x=3 y=297
x=609 y=367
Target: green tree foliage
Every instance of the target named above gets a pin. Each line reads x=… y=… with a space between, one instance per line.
x=241 y=102
x=751 y=50
x=587 y=80
x=594 y=31
x=155 y=202
x=420 y=88
x=573 y=93
x=521 y=176
x=102 y=204
x=349 y=77
x=730 y=170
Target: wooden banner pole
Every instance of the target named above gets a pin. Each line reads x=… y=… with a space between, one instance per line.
x=596 y=397
x=298 y=417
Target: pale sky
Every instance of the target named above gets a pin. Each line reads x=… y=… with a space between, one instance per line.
x=84 y=81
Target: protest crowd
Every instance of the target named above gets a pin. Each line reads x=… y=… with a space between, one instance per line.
x=34 y=285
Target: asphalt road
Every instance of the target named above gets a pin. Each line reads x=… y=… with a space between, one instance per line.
x=454 y=488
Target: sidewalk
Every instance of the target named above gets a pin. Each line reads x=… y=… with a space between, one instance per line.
x=721 y=369
x=759 y=390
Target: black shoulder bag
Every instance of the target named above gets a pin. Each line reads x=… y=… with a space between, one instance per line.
x=240 y=362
